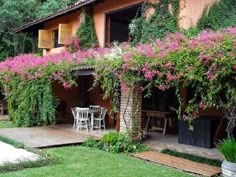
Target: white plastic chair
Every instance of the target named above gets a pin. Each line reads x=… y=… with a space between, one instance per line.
x=100 y=120
x=95 y=107
x=73 y=110
x=82 y=118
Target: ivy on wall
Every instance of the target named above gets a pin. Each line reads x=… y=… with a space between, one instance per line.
x=163 y=20
x=218 y=16
x=31 y=103
x=86 y=32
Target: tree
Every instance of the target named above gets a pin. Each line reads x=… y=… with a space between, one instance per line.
x=50 y=6
x=16 y=13
x=12 y=15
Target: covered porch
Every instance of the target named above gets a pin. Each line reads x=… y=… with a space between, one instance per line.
x=82 y=95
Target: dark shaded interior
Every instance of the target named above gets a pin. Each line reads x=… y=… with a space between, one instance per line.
x=120 y=20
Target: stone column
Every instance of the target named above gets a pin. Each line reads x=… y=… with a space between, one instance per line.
x=130 y=111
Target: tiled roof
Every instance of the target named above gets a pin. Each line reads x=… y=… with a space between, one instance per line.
x=59 y=13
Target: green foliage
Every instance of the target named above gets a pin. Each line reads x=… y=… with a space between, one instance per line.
x=218 y=16
x=112 y=138
x=164 y=20
x=202 y=63
x=14 y=14
x=120 y=143
x=116 y=143
x=92 y=143
x=228 y=148
x=6 y=124
x=86 y=32
x=12 y=142
x=191 y=157
x=31 y=103
x=50 y=6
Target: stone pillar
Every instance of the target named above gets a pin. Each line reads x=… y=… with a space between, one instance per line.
x=130 y=111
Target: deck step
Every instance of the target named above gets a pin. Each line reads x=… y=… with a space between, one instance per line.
x=179 y=163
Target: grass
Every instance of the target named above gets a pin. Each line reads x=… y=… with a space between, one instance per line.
x=228 y=149
x=6 y=124
x=44 y=161
x=194 y=158
x=12 y=142
x=85 y=162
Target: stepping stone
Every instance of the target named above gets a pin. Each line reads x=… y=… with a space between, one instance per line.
x=179 y=163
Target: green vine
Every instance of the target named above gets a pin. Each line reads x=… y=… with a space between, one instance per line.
x=163 y=20
x=31 y=103
x=86 y=32
x=218 y=16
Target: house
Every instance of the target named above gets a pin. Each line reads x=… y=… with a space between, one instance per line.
x=111 y=23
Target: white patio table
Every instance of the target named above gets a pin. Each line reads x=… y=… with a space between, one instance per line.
x=92 y=112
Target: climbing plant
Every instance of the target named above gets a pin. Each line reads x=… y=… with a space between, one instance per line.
x=206 y=63
x=163 y=20
x=86 y=32
x=220 y=15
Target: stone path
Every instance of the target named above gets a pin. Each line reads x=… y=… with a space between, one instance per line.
x=179 y=163
x=10 y=154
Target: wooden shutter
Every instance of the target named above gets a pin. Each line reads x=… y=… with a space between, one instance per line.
x=46 y=39
x=64 y=33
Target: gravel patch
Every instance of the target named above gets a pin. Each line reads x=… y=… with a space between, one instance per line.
x=10 y=154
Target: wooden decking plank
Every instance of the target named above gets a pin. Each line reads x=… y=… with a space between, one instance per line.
x=47 y=136
x=179 y=163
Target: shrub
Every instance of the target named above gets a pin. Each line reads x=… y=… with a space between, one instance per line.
x=116 y=143
x=228 y=149
x=111 y=138
x=120 y=143
x=92 y=143
x=86 y=33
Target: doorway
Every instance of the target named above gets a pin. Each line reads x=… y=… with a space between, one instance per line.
x=117 y=23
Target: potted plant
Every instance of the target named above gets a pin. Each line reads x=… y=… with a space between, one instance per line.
x=228 y=149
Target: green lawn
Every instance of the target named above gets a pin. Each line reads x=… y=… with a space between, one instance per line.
x=85 y=162
x=6 y=124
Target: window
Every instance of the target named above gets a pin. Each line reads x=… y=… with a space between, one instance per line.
x=56 y=43
x=48 y=39
x=117 y=23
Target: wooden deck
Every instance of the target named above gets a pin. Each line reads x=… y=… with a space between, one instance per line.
x=179 y=163
x=49 y=136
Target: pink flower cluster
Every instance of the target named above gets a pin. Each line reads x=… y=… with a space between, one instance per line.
x=148 y=61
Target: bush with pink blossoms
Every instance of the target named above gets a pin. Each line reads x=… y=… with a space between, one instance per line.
x=27 y=81
x=206 y=64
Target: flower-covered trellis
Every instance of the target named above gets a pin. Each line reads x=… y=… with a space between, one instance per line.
x=206 y=64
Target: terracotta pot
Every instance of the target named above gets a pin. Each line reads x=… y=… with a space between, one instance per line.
x=228 y=169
